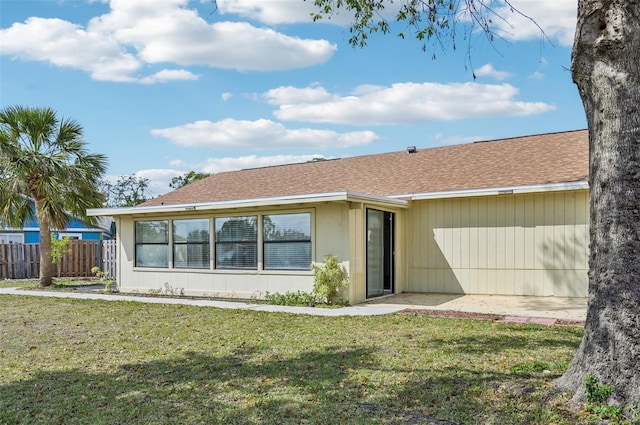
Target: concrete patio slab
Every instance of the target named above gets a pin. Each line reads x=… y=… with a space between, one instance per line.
x=570 y=309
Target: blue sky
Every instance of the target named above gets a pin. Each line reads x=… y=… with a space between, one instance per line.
x=167 y=86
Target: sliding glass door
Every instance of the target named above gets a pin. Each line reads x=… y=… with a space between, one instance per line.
x=380 y=263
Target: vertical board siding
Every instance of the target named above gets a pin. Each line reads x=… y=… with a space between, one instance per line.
x=523 y=244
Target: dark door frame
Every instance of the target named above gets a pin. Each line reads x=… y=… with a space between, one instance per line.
x=388 y=252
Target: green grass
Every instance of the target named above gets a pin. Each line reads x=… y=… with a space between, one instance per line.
x=95 y=362
x=63 y=283
x=10 y=283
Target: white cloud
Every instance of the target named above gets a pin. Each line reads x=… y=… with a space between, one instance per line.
x=178 y=163
x=115 y=46
x=226 y=96
x=557 y=18
x=487 y=70
x=402 y=103
x=259 y=134
x=273 y=12
x=168 y=32
x=269 y=12
x=218 y=165
x=537 y=76
x=444 y=140
x=168 y=75
x=159 y=179
x=62 y=43
x=289 y=94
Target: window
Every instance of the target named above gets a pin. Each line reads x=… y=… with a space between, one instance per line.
x=12 y=237
x=287 y=241
x=71 y=236
x=191 y=244
x=236 y=242
x=152 y=243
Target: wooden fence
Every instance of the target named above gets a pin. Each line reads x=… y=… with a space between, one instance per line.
x=19 y=261
x=109 y=258
x=22 y=261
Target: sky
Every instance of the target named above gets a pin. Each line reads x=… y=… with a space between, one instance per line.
x=163 y=87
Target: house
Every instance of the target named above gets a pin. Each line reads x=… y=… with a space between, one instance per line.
x=505 y=216
x=75 y=229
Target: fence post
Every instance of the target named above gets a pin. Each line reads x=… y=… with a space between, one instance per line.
x=3 y=261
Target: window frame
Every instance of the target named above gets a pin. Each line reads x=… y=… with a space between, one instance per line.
x=71 y=235
x=175 y=244
x=266 y=242
x=138 y=244
x=238 y=242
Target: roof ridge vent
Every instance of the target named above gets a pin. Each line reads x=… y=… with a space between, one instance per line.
x=411 y=149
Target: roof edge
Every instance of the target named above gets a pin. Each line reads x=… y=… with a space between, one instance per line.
x=246 y=203
x=547 y=187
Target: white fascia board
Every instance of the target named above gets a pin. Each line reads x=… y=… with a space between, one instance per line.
x=66 y=229
x=550 y=187
x=248 y=203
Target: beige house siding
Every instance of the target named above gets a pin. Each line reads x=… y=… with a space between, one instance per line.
x=357 y=253
x=330 y=235
x=525 y=244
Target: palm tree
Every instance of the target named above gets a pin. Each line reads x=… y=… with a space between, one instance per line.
x=43 y=161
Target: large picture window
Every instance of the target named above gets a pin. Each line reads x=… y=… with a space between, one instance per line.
x=236 y=242
x=287 y=241
x=152 y=243
x=191 y=244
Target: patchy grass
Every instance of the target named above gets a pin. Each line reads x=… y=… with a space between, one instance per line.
x=95 y=362
x=63 y=283
x=10 y=283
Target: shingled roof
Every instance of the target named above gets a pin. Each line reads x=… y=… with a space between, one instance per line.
x=520 y=161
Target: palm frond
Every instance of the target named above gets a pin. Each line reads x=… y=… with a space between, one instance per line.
x=44 y=158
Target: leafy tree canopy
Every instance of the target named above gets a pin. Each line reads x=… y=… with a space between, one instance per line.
x=127 y=191
x=187 y=178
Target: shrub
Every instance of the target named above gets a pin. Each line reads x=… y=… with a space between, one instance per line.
x=59 y=249
x=292 y=298
x=103 y=277
x=330 y=279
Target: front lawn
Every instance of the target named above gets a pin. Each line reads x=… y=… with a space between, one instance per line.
x=94 y=362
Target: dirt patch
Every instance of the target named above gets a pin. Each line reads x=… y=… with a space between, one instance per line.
x=569 y=323
x=454 y=314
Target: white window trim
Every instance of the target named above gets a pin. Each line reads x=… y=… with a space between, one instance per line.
x=77 y=236
x=260 y=270
x=8 y=237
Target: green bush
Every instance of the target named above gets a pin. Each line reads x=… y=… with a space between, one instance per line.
x=292 y=298
x=330 y=279
x=59 y=249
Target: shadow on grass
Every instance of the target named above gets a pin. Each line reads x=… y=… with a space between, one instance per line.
x=527 y=338
x=335 y=385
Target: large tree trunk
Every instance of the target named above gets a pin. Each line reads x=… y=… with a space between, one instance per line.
x=46 y=266
x=606 y=68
